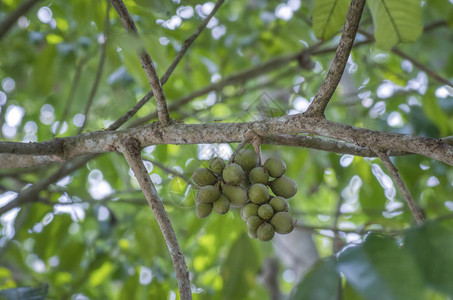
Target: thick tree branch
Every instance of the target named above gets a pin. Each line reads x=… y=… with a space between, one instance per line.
x=147 y=64
x=187 y=43
x=15 y=15
x=154 y=134
x=328 y=87
x=131 y=151
x=415 y=210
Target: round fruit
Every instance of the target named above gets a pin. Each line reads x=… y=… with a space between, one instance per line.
x=279 y=204
x=222 y=205
x=236 y=194
x=265 y=212
x=265 y=232
x=284 y=186
x=217 y=164
x=247 y=159
x=259 y=175
x=282 y=222
x=252 y=233
x=203 y=210
x=253 y=222
x=250 y=209
x=232 y=174
x=203 y=176
x=258 y=193
x=207 y=194
x=275 y=166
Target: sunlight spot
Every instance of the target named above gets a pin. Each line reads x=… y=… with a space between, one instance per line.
x=103 y=214
x=301 y=104
x=78 y=120
x=164 y=41
x=62 y=128
x=218 y=32
x=30 y=127
x=289 y=276
x=44 y=14
x=424 y=167
x=213 y=22
x=377 y=110
x=156 y=178
x=63 y=182
x=73 y=228
x=47 y=114
x=14 y=115
x=146 y=275
x=294 y=4
x=413 y=101
x=54 y=261
x=449 y=205
x=149 y=166
x=407 y=66
x=76 y=211
x=393 y=206
x=8 y=131
x=385 y=90
x=353 y=237
x=351 y=194
x=8 y=84
x=7 y=220
x=385 y=181
x=23 y=22
x=346 y=160
x=367 y=102
x=35 y=263
x=173 y=295
x=207 y=8
x=185 y=12
x=323 y=218
x=444 y=92
x=404 y=107
x=3 y=98
x=284 y=12
x=395 y=120
x=364 y=94
x=432 y=181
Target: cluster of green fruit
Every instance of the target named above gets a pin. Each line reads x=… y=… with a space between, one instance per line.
x=243 y=183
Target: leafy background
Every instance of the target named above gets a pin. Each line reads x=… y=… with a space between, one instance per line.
x=92 y=234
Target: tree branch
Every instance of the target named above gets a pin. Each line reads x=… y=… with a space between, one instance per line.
x=415 y=210
x=328 y=87
x=99 y=70
x=187 y=43
x=147 y=63
x=131 y=151
x=183 y=134
x=15 y=15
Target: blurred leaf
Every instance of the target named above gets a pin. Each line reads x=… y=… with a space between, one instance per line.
x=329 y=17
x=395 y=21
x=239 y=269
x=25 y=293
x=431 y=246
x=379 y=269
x=321 y=283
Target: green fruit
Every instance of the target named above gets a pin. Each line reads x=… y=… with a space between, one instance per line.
x=252 y=233
x=253 y=222
x=265 y=232
x=232 y=174
x=207 y=194
x=259 y=175
x=236 y=194
x=279 y=204
x=282 y=222
x=217 y=164
x=222 y=205
x=247 y=159
x=203 y=210
x=250 y=209
x=203 y=176
x=258 y=193
x=275 y=166
x=284 y=186
x=265 y=212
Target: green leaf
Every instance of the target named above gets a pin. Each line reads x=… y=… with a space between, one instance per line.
x=431 y=247
x=329 y=17
x=239 y=269
x=395 y=21
x=379 y=269
x=321 y=283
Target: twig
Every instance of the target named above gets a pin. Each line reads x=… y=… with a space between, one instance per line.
x=238 y=148
x=12 y=18
x=100 y=68
x=415 y=210
x=131 y=152
x=75 y=84
x=187 y=43
x=147 y=63
x=330 y=83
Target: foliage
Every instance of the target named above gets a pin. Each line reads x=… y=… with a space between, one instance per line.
x=91 y=233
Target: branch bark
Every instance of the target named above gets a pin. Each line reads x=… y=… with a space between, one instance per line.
x=131 y=151
x=415 y=210
x=330 y=83
x=147 y=63
x=187 y=43
x=183 y=134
